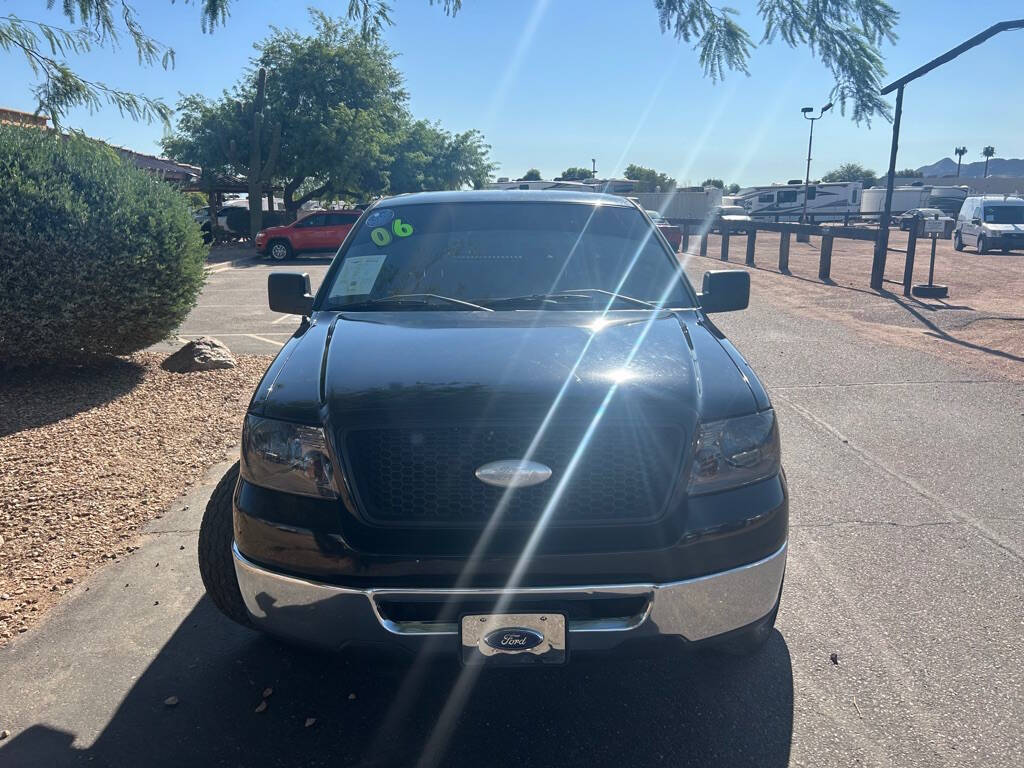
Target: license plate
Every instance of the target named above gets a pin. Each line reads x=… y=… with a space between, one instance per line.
x=513 y=639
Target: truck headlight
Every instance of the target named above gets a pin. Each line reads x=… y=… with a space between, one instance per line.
x=293 y=458
x=735 y=452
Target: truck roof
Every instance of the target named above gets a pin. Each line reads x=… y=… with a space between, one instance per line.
x=505 y=196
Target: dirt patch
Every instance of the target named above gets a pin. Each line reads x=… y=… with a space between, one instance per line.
x=980 y=326
x=88 y=455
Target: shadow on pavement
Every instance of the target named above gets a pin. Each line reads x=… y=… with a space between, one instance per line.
x=680 y=710
x=41 y=395
x=939 y=333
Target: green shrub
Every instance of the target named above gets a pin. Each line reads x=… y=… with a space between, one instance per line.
x=96 y=256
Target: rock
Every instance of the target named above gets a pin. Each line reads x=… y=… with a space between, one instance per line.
x=262 y=706
x=267 y=692
x=1 y=541
x=5 y=733
x=202 y=354
x=171 y=701
x=310 y=721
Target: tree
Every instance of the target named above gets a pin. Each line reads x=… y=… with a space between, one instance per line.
x=427 y=157
x=910 y=173
x=336 y=100
x=531 y=175
x=733 y=188
x=648 y=179
x=713 y=183
x=960 y=152
x=258 y=169
x=575 y=173
x=987 y=153
x=852 y=172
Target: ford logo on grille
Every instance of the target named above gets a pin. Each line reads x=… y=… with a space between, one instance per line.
x=514 y=639
x=513 y=473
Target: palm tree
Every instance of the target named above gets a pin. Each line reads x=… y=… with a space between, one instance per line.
x=987 y=152
x=960 y=152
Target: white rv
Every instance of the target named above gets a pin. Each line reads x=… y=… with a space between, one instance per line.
x=903 y=199
x=825 y=200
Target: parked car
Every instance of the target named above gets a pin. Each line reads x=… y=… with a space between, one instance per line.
x=908 y=218
x=735 y=216
x=672 y=233
x=320 y=231
x=990 y=222
x=506 y=431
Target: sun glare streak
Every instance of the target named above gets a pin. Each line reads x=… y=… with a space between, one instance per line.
x=454 y=705
x=642 y=119
x=512 y=69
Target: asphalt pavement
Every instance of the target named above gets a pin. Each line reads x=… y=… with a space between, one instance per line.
x=898 y=642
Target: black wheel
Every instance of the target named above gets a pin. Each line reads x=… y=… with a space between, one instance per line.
x=279 y=250
x=958 y=243
x=982 y=245
x=216 y=564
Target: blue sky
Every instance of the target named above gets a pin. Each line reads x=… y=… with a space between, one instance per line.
x=556 y=83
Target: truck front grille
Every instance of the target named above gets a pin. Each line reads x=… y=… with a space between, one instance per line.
x=426 y=476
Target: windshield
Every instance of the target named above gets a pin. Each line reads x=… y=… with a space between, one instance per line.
x=430 y=254
x=1004 y=214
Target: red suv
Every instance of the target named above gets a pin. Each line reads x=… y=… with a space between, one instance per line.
x=321 y=231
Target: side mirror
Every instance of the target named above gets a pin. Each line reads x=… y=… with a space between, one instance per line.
x=289 y=293
x=725 y=290
x=975 y=220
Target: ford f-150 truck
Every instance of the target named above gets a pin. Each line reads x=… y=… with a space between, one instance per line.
x=508 y=430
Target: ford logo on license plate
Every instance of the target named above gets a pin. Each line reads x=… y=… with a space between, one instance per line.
x=514 y=639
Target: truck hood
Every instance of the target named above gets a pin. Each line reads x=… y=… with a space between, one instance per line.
x=353 y=370
x=1003 y=227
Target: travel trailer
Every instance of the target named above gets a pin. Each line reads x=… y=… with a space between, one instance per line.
x=946 y=199
x=825 y=200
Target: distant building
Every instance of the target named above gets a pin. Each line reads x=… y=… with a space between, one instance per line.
x=10 y=116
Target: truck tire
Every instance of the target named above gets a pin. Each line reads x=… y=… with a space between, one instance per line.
x=279 y=250
x=958 y=243
x=216 y=563
x=982 y=247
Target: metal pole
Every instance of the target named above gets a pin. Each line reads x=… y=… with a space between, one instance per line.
x=931 y=264
x=807 y=176
x=802 y=237
x=882 y=243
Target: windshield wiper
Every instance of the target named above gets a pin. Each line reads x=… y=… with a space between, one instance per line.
x=565 y=296
x=618 y=296
x=413 y=300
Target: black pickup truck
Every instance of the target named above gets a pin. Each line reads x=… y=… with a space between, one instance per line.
x=507 y=430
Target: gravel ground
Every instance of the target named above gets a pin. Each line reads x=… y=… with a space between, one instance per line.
x=980 y=326
x=89 y=455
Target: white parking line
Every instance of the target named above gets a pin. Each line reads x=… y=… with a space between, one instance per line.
x=282 y=319
x=261 y=338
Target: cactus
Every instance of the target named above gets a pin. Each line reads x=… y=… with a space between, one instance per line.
x=258 y=171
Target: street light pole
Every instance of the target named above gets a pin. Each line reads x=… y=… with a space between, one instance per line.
x=806 y=111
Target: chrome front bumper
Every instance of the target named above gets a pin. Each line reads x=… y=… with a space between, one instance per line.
x=333 y=617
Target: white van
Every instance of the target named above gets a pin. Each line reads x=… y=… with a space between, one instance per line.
x=990 y=222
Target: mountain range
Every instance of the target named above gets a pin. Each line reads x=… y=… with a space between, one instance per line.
x=997 y=166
